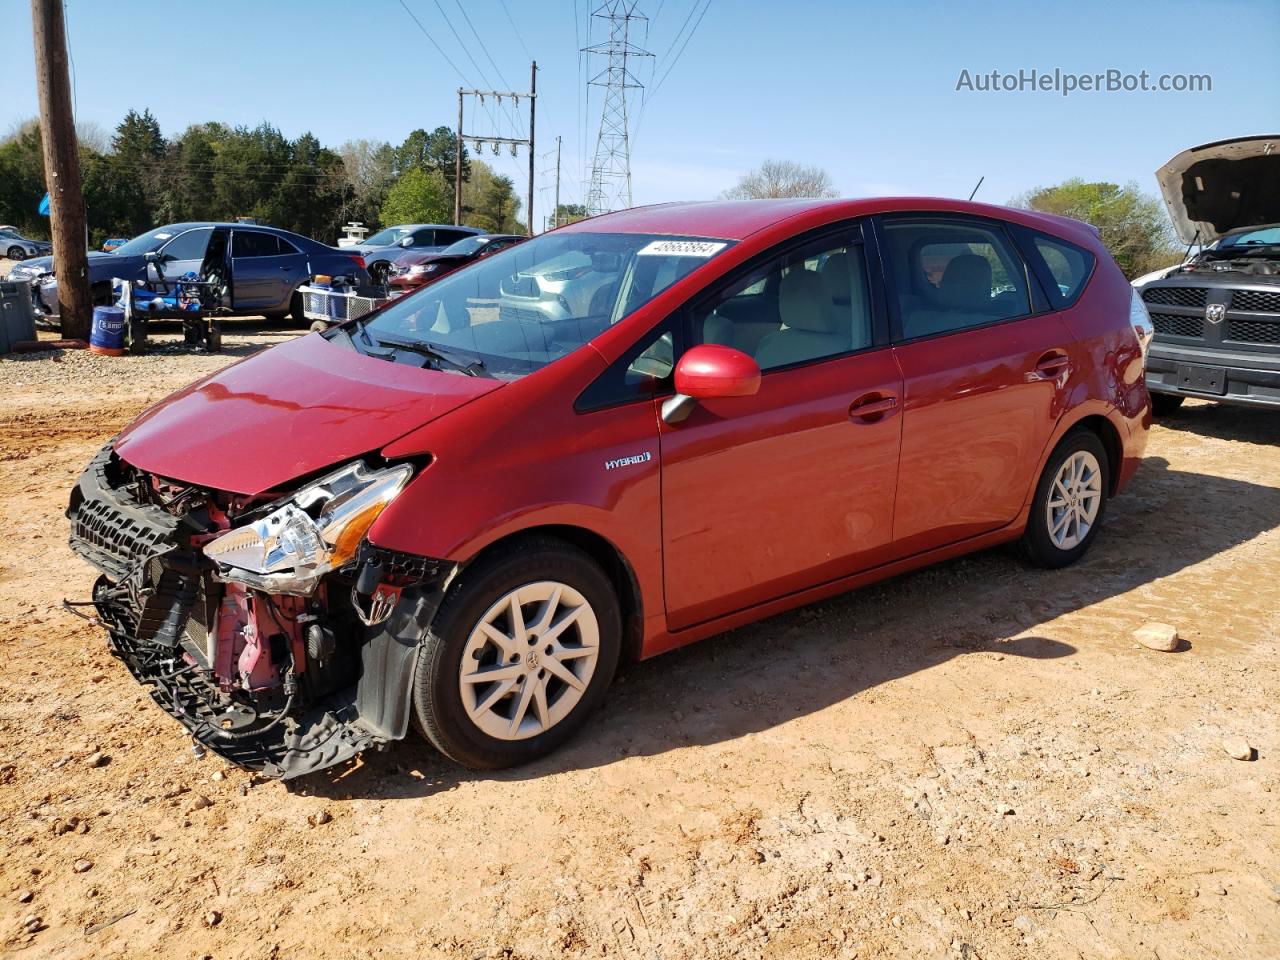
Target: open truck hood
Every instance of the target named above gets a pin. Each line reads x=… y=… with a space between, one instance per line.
x=1222 y=186
x=287 y=412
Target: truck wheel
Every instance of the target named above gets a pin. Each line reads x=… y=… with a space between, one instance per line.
x=520 y=653
x=1165 y=404
x=1069 y=502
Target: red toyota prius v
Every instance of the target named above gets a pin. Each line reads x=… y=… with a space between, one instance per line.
x=624 y=435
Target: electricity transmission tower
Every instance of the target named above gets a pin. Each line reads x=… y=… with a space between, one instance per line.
x=610 y=187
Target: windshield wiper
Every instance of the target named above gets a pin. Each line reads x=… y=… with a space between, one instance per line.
x=472 y=366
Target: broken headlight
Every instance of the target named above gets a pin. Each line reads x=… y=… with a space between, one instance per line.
x=316 y=530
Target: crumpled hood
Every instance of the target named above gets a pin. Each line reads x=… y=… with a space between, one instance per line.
x=287 y=412
x=1222 y=186
x=96 y=259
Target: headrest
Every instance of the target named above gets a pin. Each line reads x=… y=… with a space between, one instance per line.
x=835 y=278
x=801 y=299
x=966 y=283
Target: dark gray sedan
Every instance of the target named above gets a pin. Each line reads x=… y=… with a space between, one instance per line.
x=262 y=267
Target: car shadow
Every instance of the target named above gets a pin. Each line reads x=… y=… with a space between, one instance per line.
x=759 y=676
x=1220 y=421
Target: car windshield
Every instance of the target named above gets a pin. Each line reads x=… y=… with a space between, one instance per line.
x=526 y=307
x=1267 y=236
x=465 y=245
x=145 y=242
x=387 y=237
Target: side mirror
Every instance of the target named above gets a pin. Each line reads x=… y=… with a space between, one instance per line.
x=709 y=371
x=407 y=242
x=152 y=256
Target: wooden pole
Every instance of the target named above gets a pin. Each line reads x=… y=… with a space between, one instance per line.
x=533 y=102
x=457 y=168
x=62 y=169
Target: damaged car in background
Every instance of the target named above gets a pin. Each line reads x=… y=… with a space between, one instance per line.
x=1217 y=316
x=460 y=511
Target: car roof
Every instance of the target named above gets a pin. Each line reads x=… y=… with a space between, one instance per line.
x=739 y=219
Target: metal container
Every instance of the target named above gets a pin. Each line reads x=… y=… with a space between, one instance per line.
x=17 y=318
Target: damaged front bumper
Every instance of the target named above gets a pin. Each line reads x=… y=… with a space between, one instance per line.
x=279 y=684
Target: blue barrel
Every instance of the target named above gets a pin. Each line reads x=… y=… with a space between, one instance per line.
x=107 y=335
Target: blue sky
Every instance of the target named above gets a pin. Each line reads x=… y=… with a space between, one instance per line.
x=865 y=90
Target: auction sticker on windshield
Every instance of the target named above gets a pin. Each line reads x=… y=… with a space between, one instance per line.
x=680 y=248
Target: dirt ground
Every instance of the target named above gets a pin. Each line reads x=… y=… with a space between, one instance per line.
x=973 y=761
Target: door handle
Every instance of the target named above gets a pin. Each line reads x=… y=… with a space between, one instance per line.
x=1053 y=365
x=872 y=408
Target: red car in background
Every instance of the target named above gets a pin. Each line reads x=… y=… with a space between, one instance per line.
x=416 y=269
x=613 y=439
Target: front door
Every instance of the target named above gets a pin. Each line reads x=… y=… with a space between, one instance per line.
x=767 y=495
x=985 y=366
x=183 y=254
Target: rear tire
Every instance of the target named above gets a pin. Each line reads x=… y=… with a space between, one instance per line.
x=1069 y=503
x=1166 y=404
x=569 y=625
x=296 y=307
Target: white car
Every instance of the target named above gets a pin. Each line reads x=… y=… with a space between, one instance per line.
x=14 y=246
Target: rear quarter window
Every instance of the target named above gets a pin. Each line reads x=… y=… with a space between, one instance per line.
x=1069 y=267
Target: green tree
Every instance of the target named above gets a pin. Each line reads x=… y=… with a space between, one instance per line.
x=418 y=197
x=1134 y=227
x=489 y=201
x=433 y=152
x=570 y=213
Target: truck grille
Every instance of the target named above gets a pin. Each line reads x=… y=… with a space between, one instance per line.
x=1175 y=326
x=1252 y=331
x=1255 y=301
x=1176 y=296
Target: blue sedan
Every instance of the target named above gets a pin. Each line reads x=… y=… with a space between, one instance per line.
x=261 y=267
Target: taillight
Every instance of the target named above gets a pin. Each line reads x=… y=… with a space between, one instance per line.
x=359 y=261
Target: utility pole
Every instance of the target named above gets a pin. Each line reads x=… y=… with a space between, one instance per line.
x=555 y=217
x=533 y=102
x=457 y=168
x=62 y=168
x=611 y=170
x=496 y=141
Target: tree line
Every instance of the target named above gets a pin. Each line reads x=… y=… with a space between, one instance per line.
x=139 y=179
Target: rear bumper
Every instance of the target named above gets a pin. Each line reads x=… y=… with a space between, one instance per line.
x=1247 y=379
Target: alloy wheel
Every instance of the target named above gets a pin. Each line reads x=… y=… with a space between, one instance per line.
x=529 y=660
x=1074 y=500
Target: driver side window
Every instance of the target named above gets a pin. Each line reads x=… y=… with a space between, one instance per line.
x=806 y=305
x=188 y=246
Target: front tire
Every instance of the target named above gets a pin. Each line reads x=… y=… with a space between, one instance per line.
x=1166 y=404
x=1069 y=503
x=519 y=654
x=16 y=253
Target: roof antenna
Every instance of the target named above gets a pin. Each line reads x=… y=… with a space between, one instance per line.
x=976 y=185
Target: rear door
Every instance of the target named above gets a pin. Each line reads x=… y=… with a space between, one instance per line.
x=985 y=364
x=265 y=269
x=770 y=494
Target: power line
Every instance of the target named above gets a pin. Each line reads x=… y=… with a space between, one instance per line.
x=515 y=29
x=439 y=48
x=515 y=116
x=658 y=85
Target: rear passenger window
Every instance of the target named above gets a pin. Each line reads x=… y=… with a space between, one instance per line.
x=807 y=305
x=1069 y=266
x=950 y=276
x=249 y=243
